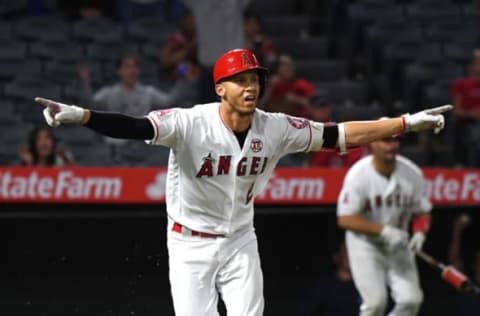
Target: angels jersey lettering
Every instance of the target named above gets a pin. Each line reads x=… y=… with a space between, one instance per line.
x=211 y=180
x=388 y=201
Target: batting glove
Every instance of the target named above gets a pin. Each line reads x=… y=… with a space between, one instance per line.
x=427 y=119
x=57 y=113
x=417 y=241
x=393 y=237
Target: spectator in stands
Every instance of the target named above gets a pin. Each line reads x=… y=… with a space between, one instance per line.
x=43 y=150
x=333 y=294
x=321 y=111
x=178 y=53
x=128 y=95
x=286 y=93
x=256 y=41
x=466 y=102
x=464 y=254
x=219 y=28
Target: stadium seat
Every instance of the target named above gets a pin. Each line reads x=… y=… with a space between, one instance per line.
x=8 y=116
x=5 y=31
x=44 y=28
x=20 y=69
x=361 y=13
x=136 y=153
x=286 y=25
x=294 y=160
x=428 y=14
x=460 y=50
x=8 y=157
x=151 y=51
x=416 y=153
x=98 y=30
x=13 y=49
x=314 y=47
x=27 y=90
x=73 y=135
x=343 y=91
x=92 y=155
x=30 y=112
x=321 y=70
x=11 y=136
x=12 y=7
x=419 y=74
x=357 y=112
x=446 y=31
x=157 y=157
x=110 y=51
x=438 y=93
x=64 y=50
x=150 y=29
x=64 y=71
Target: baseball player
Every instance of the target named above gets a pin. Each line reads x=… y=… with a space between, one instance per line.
x=381 y=193
x=222 y=155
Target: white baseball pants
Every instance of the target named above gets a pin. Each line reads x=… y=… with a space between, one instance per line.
x=373 y=269
x=201 y=268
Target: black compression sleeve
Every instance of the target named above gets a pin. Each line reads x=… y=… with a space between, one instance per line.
x=330 y=136
x=120 y=126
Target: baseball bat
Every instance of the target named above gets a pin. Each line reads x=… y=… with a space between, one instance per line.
x=450 y=274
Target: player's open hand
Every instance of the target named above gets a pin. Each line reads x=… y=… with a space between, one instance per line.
x=427 y=119
x=57 y=113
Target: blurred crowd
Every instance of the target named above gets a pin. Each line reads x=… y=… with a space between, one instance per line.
x=312 y=73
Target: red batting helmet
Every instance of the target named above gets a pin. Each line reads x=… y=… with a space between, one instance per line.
x=236 y=61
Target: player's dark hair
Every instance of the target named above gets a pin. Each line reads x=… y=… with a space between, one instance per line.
x=32 y=145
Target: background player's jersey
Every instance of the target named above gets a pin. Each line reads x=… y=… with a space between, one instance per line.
x=211 y=181
x=384 y=200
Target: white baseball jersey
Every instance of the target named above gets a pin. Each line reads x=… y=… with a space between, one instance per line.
x=383 y=200
x=389 y=201
x=211 y=181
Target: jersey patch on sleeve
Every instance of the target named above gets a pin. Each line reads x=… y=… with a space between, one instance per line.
x=297 y=122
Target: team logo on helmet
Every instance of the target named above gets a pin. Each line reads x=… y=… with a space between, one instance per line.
x=246 y=61
x=297 y=122
x=256 y=145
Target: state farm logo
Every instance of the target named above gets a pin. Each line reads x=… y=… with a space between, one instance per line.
x=156 y=190
x=294 y=189
x=297 y=122
x=465 y=187
x=256 y=145
x=64 y=185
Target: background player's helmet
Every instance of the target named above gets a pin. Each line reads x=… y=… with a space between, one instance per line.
x=237 y=61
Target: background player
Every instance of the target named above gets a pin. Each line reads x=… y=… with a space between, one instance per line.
x=222 y=155
x=380 y=194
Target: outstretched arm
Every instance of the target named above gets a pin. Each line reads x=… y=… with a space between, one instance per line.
x=363 y=132
x=109 y=124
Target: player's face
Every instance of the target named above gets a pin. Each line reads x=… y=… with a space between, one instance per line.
x=241 y=92
x=386 y=150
